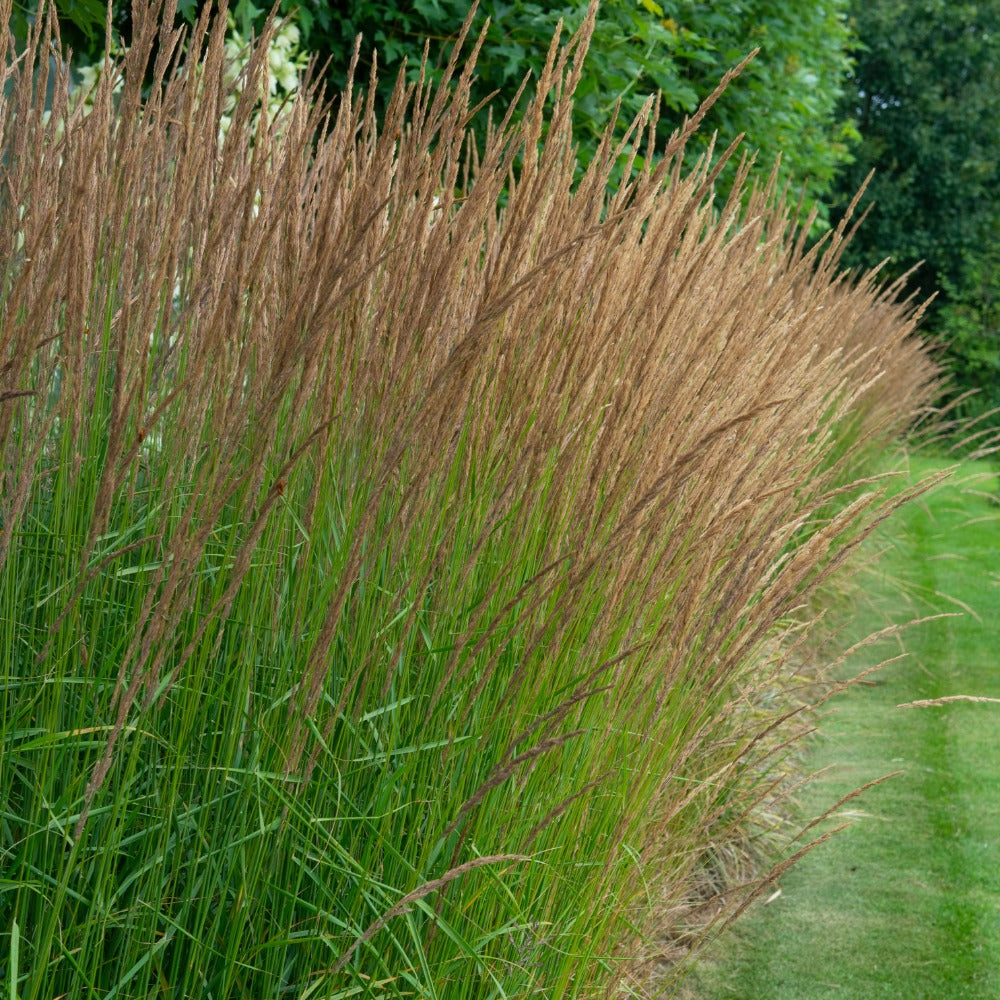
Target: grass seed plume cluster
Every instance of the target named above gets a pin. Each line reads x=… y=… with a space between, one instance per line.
x=397 y=537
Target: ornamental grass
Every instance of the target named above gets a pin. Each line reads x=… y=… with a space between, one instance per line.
x=401 y=542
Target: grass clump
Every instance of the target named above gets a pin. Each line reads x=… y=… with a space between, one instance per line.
x=396 y=545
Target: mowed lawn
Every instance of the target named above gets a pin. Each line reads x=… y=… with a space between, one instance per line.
x=906 y=902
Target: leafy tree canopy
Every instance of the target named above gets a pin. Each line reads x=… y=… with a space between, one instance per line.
x=924 y=94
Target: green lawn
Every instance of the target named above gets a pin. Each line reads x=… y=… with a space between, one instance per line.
x=906 y=902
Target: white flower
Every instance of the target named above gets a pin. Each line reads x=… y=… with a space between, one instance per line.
x=285 y=62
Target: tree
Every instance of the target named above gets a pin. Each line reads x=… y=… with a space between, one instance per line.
x=924 y=95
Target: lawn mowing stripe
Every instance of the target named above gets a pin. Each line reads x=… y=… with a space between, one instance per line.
x=905 y=903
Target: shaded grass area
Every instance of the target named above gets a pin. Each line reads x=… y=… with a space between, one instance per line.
x=906 y=902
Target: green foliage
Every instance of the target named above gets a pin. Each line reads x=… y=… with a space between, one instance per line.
x=785 y=100
x=924 y=96
x=970 y=319
x=784 y=103
x=81 y=23
x=286 y=64
x=86 y=15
